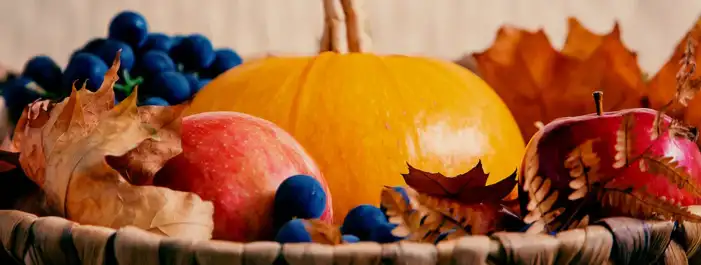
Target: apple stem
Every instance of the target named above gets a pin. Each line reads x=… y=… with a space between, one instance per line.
x=598 y=101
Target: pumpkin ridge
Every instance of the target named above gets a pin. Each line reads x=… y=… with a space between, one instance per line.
x=302 y=86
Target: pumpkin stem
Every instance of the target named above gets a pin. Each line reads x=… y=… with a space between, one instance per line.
x=331 y=41
x=348 y=12
x=598 y=101
x=358 y=39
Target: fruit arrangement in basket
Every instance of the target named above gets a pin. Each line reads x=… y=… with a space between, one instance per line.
x=333 y=149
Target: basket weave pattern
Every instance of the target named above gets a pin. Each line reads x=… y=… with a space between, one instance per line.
x=28 y=239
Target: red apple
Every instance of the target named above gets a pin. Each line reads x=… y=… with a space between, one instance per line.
x=548 y=174
x=237 y=161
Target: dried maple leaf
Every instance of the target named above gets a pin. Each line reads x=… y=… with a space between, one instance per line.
x=536 y=81
x=465 y=188
x=64 y=148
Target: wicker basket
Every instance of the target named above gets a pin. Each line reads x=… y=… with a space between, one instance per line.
x=28 y=239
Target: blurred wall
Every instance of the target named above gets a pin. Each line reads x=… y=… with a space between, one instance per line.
x=441 y=28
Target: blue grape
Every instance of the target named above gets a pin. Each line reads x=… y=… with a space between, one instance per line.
x=130 y=27
x=89 y=47
x=92 y=45
x=154 y=62
x=45 y=72
x=108 y=50
x=177 y=39
x=382 y=233
x=349 y=239
x=194 y=52
x=204 y=82
x=18 y=94
x=194 y=83
x=158 y=42
x=362 y=219
x=155 y=101
x=172 y=86
x=224 y=60
x=299 y=196
x=85 y=66
x=293 y=231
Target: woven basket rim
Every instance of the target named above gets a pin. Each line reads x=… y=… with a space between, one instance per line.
x=610 y=241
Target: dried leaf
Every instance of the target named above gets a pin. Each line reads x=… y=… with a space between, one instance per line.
x=583 y=164
x=415 y=222
x=536 y=81
x=139 y=166
x=531 y=162
x=64 y=149
x=687 y=86
x=673 y=83
x=543 y=224
x=466 y=188
x=541 y=198
x=322 y=232
x=665 y=166
x=475 y=219
x=624 y=142
x=639 y=204
x=581 y=223
x=677 y=128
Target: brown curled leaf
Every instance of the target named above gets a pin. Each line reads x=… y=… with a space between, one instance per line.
x=64 y=149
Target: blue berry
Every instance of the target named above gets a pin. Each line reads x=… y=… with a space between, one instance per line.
x=108 y=50
x=129 y=27
x=172 y=86
x=154 y=62
x=154 y=101
x=18 y=93
x=177 y=39
x=157 y=42
x=45 y=72
x=294 y=231
x=92 y=45
x=383 y=234
x=350 y=239
x=361 y=220
x=224 y=60
x=194 y=83
x=84 y=66
x=204 y=82
x=299 y=196
x=194 y=52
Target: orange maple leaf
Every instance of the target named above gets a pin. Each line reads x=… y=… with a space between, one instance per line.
x=539 y=83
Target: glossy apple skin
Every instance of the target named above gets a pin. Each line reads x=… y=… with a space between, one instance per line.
x=237 y=161
x=557 y=139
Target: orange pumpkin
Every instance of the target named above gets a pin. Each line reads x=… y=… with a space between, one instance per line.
x=363 y=117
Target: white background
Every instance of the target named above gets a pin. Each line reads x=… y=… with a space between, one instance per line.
x=440 y=28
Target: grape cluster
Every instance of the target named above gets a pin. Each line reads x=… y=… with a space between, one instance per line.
x=167 y=69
